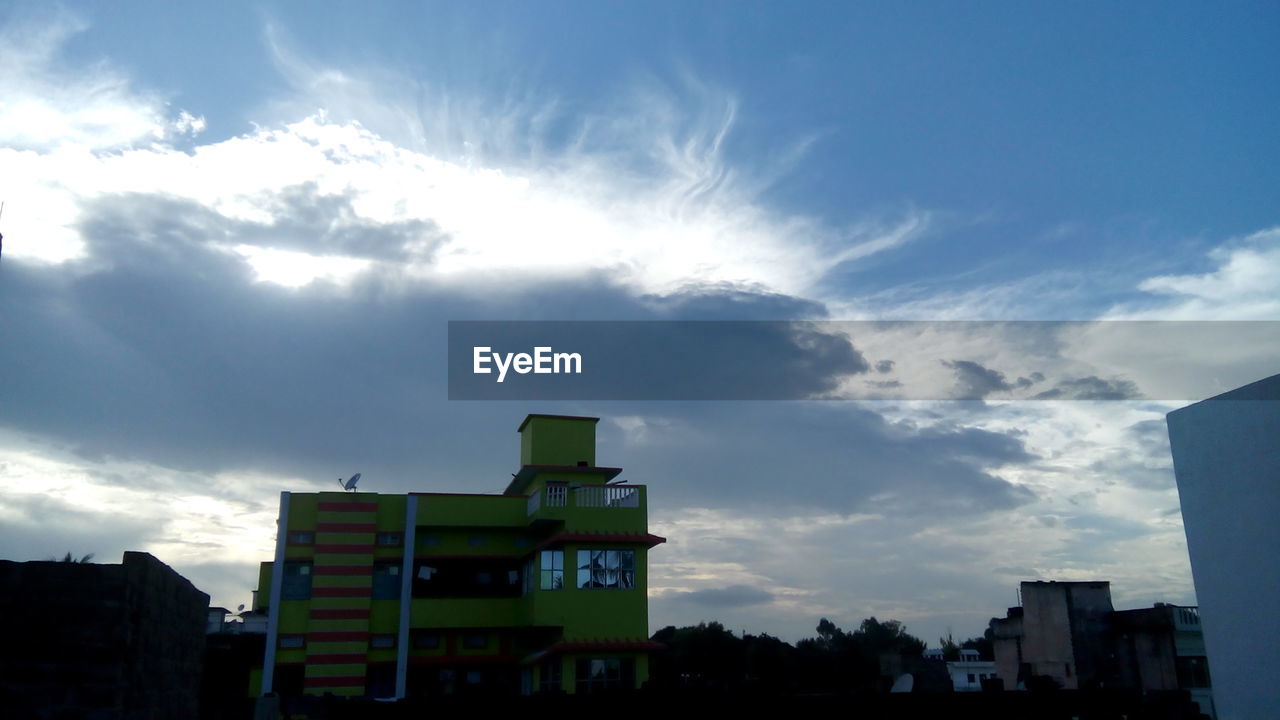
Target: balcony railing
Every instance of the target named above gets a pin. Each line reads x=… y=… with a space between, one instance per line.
x=585 y=496
x=1186 y=618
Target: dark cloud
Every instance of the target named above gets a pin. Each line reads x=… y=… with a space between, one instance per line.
x=733 y=596
x=727 y=301
x=48 y=527
x=884 y=384
x=884 y=366
x=161 y=347
x=975 y=382
x=1092 y=388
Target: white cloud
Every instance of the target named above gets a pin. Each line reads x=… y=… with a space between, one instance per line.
x=1245 y=285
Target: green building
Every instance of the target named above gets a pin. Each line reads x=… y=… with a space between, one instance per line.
x=539 y=589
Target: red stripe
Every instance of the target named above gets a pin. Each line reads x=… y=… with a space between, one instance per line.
x=315 y=682
x=343 y=569
x=341 y=592
x=337 y=636
x=348 y=507
x=345 y=527
x=341 y=614
x=344 y=549
x=338 y=659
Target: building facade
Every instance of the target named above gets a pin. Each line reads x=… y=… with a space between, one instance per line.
x=1069 y=633
x=1226 y=457
x=95 y=640
x=541 y=588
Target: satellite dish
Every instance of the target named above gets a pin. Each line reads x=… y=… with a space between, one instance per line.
x=350 y=484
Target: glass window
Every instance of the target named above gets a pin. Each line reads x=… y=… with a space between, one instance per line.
x=381 y=642
x=549 y=676
x=606 y=569
x=426 y=640
x=386 y=581
x=597 y=674
x=389 y=539
x=475 y=641
x=301 y=537
x=552 y=570
x=296 y=584
x=288 y=642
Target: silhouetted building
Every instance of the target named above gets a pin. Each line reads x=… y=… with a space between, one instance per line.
x=89 y=640
x=1067 y=634
x=1226 y=456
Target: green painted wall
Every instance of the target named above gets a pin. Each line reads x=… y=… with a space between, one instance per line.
x=558 y=441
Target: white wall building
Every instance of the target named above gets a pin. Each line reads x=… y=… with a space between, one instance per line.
x=1226 y=455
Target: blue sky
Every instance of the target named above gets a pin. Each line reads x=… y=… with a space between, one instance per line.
x=227 y=225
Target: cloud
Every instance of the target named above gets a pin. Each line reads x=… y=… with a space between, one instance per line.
x=732 y=596
x=1244 y=285
x=1091 y=388
x=45 y=106
x=974 y=381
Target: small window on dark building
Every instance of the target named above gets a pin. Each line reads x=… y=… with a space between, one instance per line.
x=382 y=642
x=426 y=640
x=475 y=641
x=428 y=540
x=292 y=642
x=302 y=537
x=477 y=541
x=389 y=539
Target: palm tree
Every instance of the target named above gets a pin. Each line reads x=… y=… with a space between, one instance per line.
x=69 y=558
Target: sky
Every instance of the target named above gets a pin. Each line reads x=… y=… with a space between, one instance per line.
x=234 y=236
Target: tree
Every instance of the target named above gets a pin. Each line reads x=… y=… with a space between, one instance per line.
x=69 y=558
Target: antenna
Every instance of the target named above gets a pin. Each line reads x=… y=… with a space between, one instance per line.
x=350 y=484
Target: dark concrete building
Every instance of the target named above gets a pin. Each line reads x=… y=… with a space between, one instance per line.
x=100 y=641
x=1068 y=634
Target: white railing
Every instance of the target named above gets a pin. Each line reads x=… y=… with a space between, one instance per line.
x=1186 y=617
x=557 y=496
x=584 y=496
x=606 y=496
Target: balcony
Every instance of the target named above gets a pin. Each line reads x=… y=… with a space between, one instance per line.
x=585 y=496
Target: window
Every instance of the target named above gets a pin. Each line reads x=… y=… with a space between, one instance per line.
x=552 y=570
x=382 y=642
x=1193 y=671
x=386 y=581
x=389 y=539
x=600 y=674
x=475 y=641
x=971 y=678
x=426 y=640
x=606 y=569
x=477 y=541
x=526 y=584
x=291 y=642
x=466 y=578
x=296 y=584
x=549 y=679
x=301 y=537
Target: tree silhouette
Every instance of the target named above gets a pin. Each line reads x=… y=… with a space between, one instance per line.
x=69 y=558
